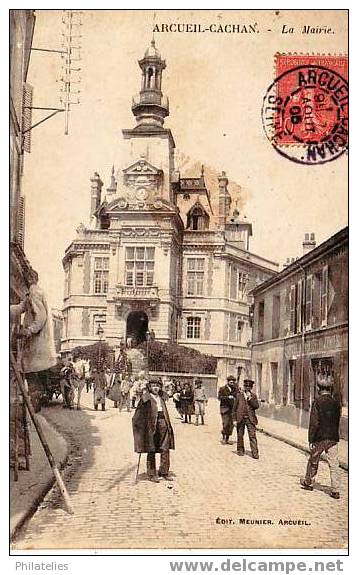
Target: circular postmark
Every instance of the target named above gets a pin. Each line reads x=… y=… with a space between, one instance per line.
x=305 y=114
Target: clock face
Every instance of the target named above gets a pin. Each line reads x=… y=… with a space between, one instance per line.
x=141 y=194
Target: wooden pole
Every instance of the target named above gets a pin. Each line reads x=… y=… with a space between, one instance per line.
x=16 y=434
x=27 y=445
x=41 y=435
x=136 y=477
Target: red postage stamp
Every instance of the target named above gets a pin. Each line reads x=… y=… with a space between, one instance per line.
x=305 y=110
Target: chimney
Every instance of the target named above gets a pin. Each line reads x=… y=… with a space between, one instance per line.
x=224 y=199
x=309 y=243
x=287 y=263
x=96 y=188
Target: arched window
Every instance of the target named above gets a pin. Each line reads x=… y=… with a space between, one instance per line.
x=197 y=218
x=150 y=73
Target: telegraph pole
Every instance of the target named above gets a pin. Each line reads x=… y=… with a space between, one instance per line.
x=70 y=52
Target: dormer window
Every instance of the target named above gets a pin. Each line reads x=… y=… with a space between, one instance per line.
x=197 y=218
x=105 y=222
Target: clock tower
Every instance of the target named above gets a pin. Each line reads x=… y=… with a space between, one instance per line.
x=149 y=139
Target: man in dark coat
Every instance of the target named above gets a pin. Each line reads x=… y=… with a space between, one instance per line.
x=187 y=402
x=152 y=430
x=226 y=396
x=323 y=435
x=244 y=414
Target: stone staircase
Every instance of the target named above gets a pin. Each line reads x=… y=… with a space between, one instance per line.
x=139 y=361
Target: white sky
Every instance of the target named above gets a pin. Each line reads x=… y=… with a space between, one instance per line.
x=215 y=84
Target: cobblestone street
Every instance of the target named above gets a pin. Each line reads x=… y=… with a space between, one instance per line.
x=210 y=482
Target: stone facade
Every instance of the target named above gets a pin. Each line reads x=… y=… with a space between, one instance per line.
x=22 y=24
x=156 y=255
x=57 y=325
x=301 y=329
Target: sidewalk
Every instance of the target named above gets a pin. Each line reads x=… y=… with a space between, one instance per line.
x=297 y=437
x=32 y=485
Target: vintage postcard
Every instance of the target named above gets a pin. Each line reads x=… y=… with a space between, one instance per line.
x=179 y=279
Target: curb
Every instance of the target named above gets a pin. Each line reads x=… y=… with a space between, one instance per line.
x=299 y=446
x=38 y=499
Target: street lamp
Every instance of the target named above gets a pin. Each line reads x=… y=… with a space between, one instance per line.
x=100 y=332
x=147 y=337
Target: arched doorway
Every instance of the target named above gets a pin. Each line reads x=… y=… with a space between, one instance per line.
x=137 y=326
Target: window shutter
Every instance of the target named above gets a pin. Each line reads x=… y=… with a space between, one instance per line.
x=27 y=116
x=299 y=306
x=324 y=295
x=308 y=300
x=21 y=221
x=293 y=309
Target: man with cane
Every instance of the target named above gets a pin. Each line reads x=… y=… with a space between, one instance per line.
x=152 y=431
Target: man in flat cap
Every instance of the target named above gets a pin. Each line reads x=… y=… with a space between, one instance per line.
x=226 y=396
x=244 y=415
x=323 y=435
x=200 y=400
x=152 y=430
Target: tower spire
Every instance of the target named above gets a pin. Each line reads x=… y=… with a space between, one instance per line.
x=151 y=107
x=111 y=191
x=154 y=16
x=113 y=180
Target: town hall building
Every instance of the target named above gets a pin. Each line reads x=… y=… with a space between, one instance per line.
x=159 y=253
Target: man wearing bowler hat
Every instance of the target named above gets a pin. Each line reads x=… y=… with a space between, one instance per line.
x=226 y=396
x=323 y=435
x=244 y=415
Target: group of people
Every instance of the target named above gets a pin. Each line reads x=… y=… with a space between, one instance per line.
x=153 y=432
x=237 y=408
x=152 y=429
x=116 y=383
x=125 y=390
x=190 y=400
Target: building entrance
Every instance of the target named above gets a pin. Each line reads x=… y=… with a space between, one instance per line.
x=137 y=327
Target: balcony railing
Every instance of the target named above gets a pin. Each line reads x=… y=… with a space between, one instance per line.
x=137 y=292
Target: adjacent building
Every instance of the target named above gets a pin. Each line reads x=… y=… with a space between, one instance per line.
x=22 y=24
x=57 y=324
x=162 y=252
x=300 y=330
